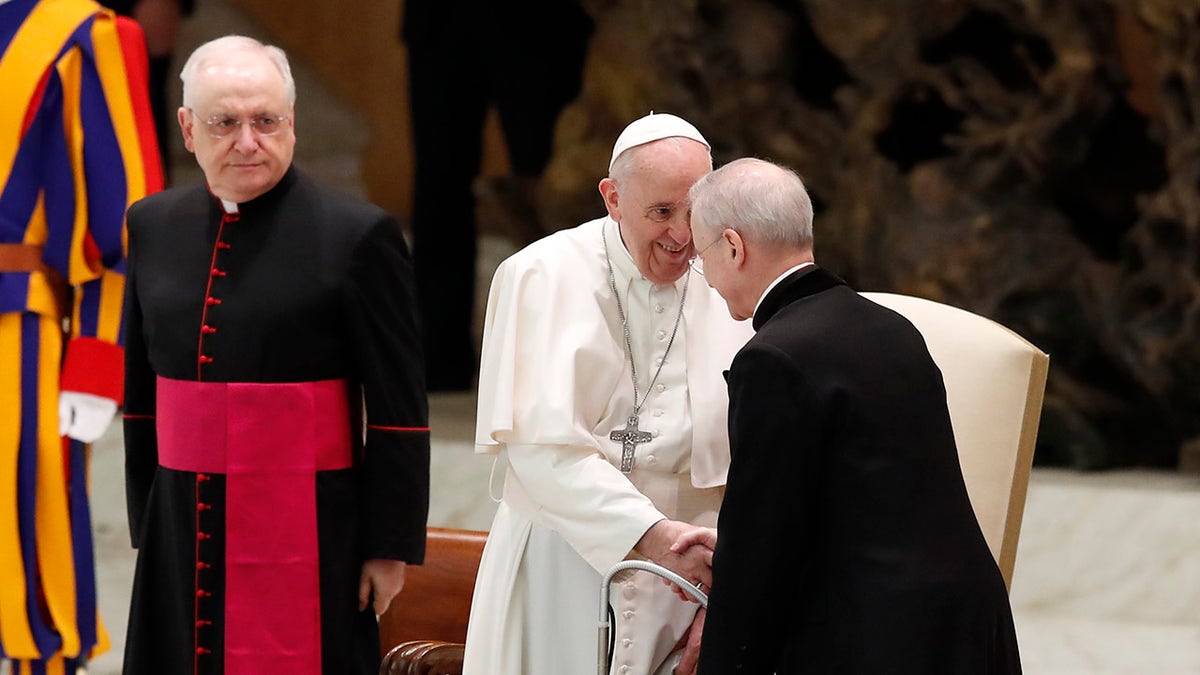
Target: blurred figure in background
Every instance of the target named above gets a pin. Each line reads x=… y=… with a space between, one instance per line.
x=160 y=21
x=526 y=59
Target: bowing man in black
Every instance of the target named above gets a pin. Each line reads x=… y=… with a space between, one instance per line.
x=846 y=542
x=273 y=518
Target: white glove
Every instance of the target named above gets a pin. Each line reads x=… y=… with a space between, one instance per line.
x=84 y=417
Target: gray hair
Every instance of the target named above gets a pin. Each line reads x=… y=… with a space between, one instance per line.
x=764 y=202
x=235 y=43
x=627 y=163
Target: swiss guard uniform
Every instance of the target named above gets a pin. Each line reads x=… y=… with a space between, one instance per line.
x=77 y=146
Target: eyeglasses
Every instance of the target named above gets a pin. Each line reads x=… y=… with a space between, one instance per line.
x=223 y=126
x=697 y=262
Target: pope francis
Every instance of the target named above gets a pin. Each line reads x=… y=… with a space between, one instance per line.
x=601 y=393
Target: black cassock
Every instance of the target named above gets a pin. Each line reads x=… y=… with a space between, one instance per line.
x=302 y=285
x=847 y=541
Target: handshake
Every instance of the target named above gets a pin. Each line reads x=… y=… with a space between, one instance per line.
x=685 y=549
x=697 y=542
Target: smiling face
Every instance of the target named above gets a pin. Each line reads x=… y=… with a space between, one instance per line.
x=240 y=85
x=649 y=202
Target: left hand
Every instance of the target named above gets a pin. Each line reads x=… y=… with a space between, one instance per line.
x=691 y=650
x=380 y=581
x=84 y=417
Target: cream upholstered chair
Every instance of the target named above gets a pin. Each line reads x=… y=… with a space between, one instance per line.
x=994 y=385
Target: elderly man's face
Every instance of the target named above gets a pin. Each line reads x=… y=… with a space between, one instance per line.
x=652 y=208
x=242 y=92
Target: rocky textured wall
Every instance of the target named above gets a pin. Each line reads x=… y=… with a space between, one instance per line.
x=1037 y=162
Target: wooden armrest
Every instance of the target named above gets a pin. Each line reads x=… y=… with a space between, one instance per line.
x=424 y=657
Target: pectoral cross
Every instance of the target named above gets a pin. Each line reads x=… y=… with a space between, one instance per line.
x=629 y=437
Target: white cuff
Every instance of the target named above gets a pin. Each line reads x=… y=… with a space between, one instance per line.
x=84 y=417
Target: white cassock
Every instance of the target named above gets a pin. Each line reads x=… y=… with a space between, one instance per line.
x=554 y=383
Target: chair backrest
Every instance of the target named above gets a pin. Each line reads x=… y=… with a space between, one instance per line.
x=994 y=380
x=436 y=600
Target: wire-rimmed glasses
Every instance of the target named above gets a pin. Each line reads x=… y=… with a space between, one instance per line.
x=262 y=124
x=697 y=261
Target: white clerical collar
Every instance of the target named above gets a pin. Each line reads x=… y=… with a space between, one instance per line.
x=230 y=207
x=775 y=283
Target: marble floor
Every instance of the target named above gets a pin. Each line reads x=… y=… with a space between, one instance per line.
x=1107 y=577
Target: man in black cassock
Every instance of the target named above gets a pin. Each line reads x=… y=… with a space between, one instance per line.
x=264 y=313
x=846 y=540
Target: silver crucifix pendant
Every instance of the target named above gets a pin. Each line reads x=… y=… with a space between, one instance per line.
x=629 y=438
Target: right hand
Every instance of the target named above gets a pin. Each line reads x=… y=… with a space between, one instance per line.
x=702 y=536
x=693 y=563
x=704 y=539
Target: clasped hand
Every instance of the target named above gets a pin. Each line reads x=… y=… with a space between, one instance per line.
x=699 y=541
x=689 y=553
x=693 y=563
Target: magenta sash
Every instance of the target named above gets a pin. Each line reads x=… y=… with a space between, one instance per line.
x=269 y=440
